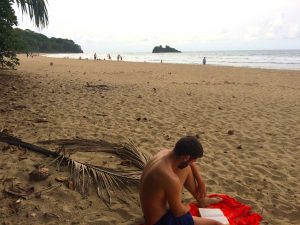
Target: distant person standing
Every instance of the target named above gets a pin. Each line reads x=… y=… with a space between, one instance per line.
x=95 y=56
x=204 y=61
x=108 y=56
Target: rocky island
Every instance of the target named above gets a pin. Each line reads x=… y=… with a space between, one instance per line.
x=160 y=49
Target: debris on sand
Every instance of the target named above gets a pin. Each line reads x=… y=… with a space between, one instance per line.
x=98 y=87
x=230 y=132
x=39 y=174
x=19 y=190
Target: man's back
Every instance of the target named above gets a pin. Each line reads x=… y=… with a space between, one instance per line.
x=152 y=190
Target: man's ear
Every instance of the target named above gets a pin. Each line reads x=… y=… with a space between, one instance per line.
x=186 y=157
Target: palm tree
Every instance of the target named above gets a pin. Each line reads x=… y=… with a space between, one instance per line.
x=36 y=9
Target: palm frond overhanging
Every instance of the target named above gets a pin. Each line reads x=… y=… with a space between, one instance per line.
x=106 y=180
x=36 y=9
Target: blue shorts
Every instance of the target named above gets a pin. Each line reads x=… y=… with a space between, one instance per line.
x=170 y=219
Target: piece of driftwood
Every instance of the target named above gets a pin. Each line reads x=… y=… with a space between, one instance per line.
x=99 y=87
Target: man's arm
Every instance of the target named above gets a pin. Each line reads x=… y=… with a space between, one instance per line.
x=201 y=189
x=173 y=193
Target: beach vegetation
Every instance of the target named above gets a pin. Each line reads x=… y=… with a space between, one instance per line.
x=9 y=42
x=8 y=19
x=30 y=41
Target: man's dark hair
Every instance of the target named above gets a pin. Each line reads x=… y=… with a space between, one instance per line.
x=189 y=145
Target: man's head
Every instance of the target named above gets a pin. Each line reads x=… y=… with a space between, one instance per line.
x=189 y=148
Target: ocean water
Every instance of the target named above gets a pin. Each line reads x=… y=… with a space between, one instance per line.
x=268 y=59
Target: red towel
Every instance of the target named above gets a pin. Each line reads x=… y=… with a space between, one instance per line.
x=236 y=212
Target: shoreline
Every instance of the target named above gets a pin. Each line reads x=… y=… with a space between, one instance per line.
x=169 y=63
x=154 y=105
x=193 y=59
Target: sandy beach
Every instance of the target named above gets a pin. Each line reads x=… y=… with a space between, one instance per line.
x=153 y=105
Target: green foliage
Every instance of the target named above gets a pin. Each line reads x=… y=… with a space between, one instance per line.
x=9 y=40
x=8 y=19
x=36 y=9
x=30 y=41
x=17 y=40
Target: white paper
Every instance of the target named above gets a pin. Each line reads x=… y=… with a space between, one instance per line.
x=205 y=212
x=214 y=214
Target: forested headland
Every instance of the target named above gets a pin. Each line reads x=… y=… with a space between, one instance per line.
x=30 y=41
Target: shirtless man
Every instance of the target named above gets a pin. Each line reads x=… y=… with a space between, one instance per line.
x=162 y=181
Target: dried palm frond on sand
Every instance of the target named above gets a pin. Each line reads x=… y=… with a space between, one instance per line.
x=124 y=151
x=106 y=180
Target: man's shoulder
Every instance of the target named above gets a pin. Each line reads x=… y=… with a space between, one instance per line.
x=167 y=175
x=159 y=168
x=161 y=153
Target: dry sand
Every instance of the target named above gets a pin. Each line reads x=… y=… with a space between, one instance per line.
x=258 y=164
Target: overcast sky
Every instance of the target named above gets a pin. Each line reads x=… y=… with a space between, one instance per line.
x=188 y=25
